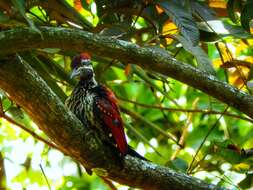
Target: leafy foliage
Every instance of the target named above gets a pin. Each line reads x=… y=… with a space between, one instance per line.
x=165 y=120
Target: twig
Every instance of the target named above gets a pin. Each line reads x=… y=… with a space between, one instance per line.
x=163 y=34
x=195 y=166
x=2 y=173
x=204 y=140
x=159 y=104
x=207 y=135
x=227 y=180
x=184 y=133
x=142 y=74
x=29 y=131
x=49 y=187
x=148 y=123
x=109 y=183
x=9 y=119
x=185 y=110
x=1 y=107
x=241 y=74
x=138 y=134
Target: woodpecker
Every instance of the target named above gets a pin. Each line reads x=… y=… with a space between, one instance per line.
x=96 y=106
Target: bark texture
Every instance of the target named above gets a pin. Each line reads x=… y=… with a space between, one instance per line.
x=151 y=59
x=27 y=89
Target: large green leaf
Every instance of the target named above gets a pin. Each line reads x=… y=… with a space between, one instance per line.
x=247 y=15
x=202 y=11
x=223 y=29
x=247 y=182
x=203 y=61
x=183 y=19
x=232 y=7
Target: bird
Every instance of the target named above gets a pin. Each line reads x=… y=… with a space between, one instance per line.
x=95 y=105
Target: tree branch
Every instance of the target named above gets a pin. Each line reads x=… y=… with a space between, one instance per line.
x=148 y=58
x=63 y=128
x=202 y=111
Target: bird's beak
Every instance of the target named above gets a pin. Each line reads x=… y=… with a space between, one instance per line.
x=74 y=73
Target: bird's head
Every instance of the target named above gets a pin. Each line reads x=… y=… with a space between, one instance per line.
x=81 y=67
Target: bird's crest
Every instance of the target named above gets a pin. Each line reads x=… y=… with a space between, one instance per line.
x=81 y=59
x=85 y=55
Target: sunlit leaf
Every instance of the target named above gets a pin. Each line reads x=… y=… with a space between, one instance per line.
x=242 y=167
x=247 y=182
x=155 y=108
x=217 y=3
x=233 y=6
x=169 y=28
x=247 y=15
x=78 y=5
x=238 y=76
x=159 y=9
x=20 y=6
x=223 y=29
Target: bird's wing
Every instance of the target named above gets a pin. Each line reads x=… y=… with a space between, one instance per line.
x=106 y=106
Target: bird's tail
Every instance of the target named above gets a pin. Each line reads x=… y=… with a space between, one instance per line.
x=133 y=153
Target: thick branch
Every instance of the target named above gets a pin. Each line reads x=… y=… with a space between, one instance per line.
x=151 y=59
x=27 y=89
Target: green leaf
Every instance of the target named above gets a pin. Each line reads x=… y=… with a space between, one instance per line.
x=223 y=29
x=142 y=74
x=225 y=151
x=142 y=137
x=178 y=164
x=206 y=36
x=232 y=6
x=247 y=182
x=182 y=19
x=76 y=16
x=247 y=15
x=202 y=11
x=20 y=6
x=51 y=50
x=203 y=61
x=3 y=17
x=36 y=176
x=85 y=4
x=5 y=21
x=80 y=183
x=16 y=112
x=22 y=175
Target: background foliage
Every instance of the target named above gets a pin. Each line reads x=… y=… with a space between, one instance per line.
x=170 y=123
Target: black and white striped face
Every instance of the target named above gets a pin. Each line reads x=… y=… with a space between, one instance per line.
x=82 y=67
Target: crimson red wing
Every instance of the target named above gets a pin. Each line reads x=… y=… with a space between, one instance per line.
x=109 y=112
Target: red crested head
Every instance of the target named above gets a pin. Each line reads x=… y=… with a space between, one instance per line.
x=80 y=60
x=82 y=67
x=85 y=55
